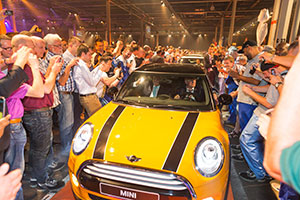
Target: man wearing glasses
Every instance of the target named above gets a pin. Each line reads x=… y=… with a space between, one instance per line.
x=6 y=52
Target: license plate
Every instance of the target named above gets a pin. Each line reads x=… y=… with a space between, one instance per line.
x=126 y=193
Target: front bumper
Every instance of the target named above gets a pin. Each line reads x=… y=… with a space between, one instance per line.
x=113 y=181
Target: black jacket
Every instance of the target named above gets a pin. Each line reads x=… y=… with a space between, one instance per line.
x=8 y=84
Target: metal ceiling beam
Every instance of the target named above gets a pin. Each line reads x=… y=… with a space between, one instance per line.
x=197 y=2
x=217 y=12
x=255 y=4
x=143 y=18
x=166 y=2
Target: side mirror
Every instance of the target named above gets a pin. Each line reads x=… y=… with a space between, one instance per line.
x=224 y=99
x=112 y=92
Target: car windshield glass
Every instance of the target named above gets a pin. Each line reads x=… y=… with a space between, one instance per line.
x=167 y=91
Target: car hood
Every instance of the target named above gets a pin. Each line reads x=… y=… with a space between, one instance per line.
x=145 y=137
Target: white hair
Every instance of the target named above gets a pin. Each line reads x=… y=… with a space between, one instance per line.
x=50 y=38
x=19 y=39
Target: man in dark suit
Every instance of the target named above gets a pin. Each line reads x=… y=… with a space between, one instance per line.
x=190 y=92
x=159 y=57
x=154 y=88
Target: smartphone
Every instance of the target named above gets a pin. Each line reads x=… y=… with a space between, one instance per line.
x=8 y=12
x=2 y=107
x=273 y=72
x=253 y=69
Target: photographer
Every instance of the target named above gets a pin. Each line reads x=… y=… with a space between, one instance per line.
x=246 y=105
x=251 y=141
x=105 y=81
x=11 y=82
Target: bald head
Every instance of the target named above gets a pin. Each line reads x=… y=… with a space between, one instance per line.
x=20 y=40
x=39 y=46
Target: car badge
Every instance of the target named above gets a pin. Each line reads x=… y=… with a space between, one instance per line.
x=133 y=158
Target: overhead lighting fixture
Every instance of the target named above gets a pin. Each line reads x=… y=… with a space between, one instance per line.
x=205 y=35
x=162 y=3
x=199 y=35
x=130 y=35
x=184 y=35
x=169 y=35
x=152 y=35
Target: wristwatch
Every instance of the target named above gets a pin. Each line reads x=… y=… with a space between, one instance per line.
x=277 y=84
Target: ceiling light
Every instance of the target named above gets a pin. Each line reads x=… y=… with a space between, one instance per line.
x=162 y=3
x=152 y=35
x=169 y=35
x=184 y=35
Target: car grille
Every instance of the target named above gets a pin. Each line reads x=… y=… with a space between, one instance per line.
x=93 y=172
x=133 y=176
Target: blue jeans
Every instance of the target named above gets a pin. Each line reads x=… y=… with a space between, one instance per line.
x=15 y=153
x=66 y=121
x=245 y=113
x=286 y=192
x=232 y=111
x=252 y=145
x=38 y=125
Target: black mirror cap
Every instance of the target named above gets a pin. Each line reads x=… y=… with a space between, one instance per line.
x=225 y=99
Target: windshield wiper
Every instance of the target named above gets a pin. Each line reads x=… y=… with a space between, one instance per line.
x=132 y=102
x=172 y=106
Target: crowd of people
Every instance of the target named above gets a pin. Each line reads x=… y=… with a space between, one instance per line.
x=254 y=77
x=40 y=76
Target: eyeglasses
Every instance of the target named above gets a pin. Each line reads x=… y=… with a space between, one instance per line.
x=7 y=48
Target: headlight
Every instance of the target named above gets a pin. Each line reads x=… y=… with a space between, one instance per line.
x=209 y=157
x=82 y=138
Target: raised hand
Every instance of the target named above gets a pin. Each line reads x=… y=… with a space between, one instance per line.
x=10 y=182
x=22 y=56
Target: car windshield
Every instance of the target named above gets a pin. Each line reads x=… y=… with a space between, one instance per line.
x=167 y=91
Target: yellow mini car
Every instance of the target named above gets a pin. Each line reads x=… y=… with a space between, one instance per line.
x=161 y=138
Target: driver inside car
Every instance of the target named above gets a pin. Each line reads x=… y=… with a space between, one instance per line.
x=190 y=92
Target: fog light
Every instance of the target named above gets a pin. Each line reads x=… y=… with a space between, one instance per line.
x=75 y=181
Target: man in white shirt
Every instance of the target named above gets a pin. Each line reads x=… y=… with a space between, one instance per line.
x=131 y=60
x=86 y=80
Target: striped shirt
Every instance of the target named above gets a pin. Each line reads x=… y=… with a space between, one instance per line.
x=70 y=84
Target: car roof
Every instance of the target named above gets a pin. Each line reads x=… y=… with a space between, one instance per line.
x=174 y=68
x=193 y=56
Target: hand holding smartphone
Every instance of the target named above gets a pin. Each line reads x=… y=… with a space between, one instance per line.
x=2 y=107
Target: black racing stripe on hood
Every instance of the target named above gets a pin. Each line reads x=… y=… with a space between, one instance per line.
x=174 y=157
x=106 y=130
